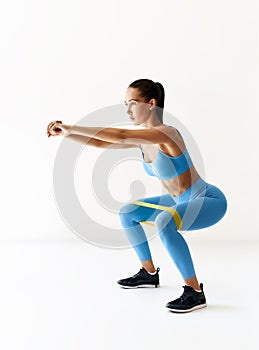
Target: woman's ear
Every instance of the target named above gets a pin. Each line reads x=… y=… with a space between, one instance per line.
x=152 y=102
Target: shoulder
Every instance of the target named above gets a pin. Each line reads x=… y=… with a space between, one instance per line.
x=172 y=133
x=175 y=145
x=162 y=135
x=167 y=128
x=155 y=135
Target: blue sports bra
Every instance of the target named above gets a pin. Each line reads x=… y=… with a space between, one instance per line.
x=167 y=167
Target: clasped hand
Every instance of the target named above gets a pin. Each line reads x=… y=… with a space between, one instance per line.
x=56 y=128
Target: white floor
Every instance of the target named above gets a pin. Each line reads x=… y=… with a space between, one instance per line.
x=63 y=295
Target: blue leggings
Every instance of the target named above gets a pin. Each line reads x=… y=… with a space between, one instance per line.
x=201 y=205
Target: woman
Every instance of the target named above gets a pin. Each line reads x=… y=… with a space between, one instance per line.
x=191 y=202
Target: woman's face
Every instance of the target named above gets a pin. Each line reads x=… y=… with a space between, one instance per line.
x=137 y=109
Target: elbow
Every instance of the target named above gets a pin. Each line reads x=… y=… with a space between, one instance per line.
x=122 y=136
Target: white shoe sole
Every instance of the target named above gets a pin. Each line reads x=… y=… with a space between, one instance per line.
x=140 y=286
x=189 y=310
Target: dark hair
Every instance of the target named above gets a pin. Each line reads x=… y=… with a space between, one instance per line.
x=148 y=90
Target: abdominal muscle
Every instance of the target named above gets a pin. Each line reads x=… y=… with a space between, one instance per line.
x=181 y=183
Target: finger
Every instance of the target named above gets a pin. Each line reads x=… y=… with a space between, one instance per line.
x=51 y=130
x=57 y=121
x=50 y=125
x=53 y=126
x=55 y=130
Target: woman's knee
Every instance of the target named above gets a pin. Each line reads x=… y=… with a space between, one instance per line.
x=165 y=223
x=127 y=209
x=128 y=214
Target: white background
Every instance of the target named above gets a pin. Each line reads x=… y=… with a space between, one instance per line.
x=64 y=59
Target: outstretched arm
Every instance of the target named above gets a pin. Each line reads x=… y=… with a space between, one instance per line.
x=56 y=129
x=90 y=141
x=117 y=135
x=124 y=136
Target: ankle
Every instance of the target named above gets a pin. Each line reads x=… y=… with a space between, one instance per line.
x=195 y=287
x=152 y=271
x=193 y=283
x=149 y=269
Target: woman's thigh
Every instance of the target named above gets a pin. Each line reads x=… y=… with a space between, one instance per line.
x=140 y=210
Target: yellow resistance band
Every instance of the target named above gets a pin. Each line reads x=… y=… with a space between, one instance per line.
x=175 y=214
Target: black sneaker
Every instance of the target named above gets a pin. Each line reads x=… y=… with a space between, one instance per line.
x=141 y=279
x=190 y=300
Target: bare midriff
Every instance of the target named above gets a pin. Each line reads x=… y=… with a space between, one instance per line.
x=181 y=183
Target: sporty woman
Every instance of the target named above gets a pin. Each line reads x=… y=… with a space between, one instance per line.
x=190 y=204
